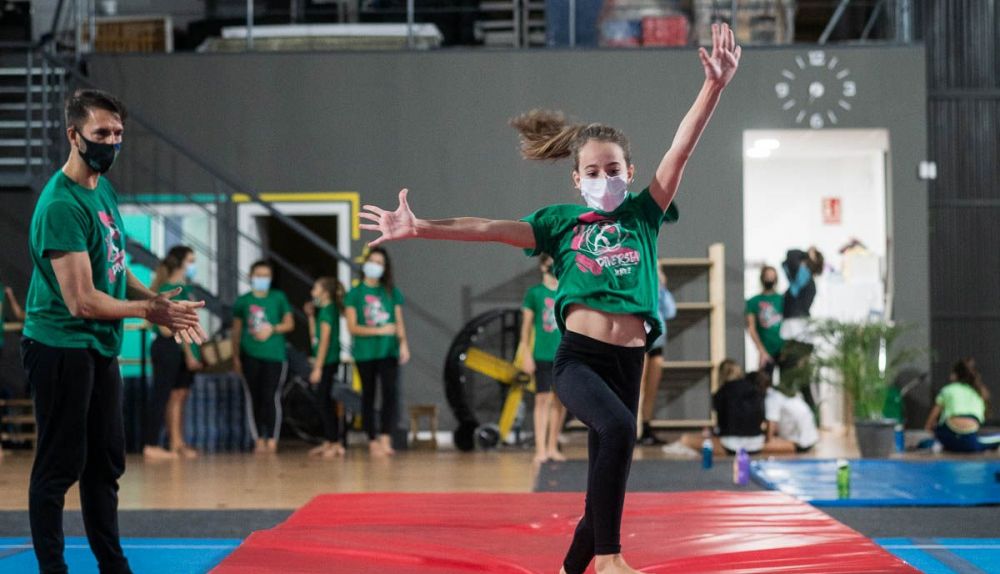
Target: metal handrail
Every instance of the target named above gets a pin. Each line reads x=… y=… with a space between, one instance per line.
x=228 y=180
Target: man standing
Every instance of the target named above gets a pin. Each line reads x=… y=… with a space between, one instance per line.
x=764 y=313
x=80 y=291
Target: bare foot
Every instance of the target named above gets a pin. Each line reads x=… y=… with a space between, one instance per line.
x=375 y=449
x=540 y=457
x=557 y=456
x=186 y=452
x=272 y=445
x=613 y=564
x=339 y=450
x=260 y=447
x=157 y=453
x=319 y=450
x=386 y=444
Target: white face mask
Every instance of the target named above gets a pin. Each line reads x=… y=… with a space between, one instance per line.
x=604 y=194
x=373 y=270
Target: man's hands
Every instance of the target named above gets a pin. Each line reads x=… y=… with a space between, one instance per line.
x=181 y=317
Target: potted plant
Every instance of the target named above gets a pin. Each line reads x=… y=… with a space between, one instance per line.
x=863 y=358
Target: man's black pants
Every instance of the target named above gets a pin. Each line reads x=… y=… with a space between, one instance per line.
x=81 y=437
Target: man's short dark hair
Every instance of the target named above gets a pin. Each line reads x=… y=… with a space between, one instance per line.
x=261 y=263
x=79 y=105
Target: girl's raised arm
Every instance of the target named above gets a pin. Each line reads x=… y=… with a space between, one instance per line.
x=720 y=67
x=402 y=224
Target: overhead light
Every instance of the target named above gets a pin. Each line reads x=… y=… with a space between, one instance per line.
x=767 y=143
x=757 y=152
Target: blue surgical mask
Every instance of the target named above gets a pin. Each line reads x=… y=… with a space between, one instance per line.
x=373 y=270
x=261 y=284
x=190 y=271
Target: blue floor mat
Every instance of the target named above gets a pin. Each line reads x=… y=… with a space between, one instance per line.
x=145 y=555
x=885 y=482
x=947 y=555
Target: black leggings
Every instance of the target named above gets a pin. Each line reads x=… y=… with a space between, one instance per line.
x=328 y=406
x=263 y=380
x=599 y=384
x=384 y=373
x=169 y=372
x=81 y=437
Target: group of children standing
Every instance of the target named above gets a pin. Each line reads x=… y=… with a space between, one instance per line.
x=261 y=319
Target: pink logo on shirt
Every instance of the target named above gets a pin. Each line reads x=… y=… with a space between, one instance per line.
x=599 y=244
x=112 y=241
x=375 y=313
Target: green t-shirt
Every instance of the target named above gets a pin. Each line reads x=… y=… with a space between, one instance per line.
x=184 y=295
x=541 y=301
x=71 y=218
x=768 y=309
x=604 y=260
x=256 y=312
x=959 y=399
x=374 y=308
x=329 y=315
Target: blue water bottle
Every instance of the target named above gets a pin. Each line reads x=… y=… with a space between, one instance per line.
x=706 y=453
x=900 y=439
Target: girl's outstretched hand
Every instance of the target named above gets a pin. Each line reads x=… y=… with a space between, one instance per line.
x=393 y=225
x=720 y=66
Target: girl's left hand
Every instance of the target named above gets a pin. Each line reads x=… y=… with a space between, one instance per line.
x=404 y=354
x=720 y=66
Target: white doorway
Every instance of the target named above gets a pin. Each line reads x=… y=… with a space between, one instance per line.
x=828 y=189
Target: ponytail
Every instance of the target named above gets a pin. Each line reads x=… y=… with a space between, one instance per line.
x=334 y=289
x=548 y=135
x=965 y=372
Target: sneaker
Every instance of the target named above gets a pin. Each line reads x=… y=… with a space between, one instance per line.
x=679 y=450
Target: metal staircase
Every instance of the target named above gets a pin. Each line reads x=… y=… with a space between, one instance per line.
x=28 y=92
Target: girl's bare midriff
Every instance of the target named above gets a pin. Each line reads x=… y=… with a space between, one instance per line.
x=611 y=328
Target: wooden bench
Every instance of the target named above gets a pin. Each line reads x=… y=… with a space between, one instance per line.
x=418 y=413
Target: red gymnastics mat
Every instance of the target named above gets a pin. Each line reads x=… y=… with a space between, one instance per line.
x=675 y=533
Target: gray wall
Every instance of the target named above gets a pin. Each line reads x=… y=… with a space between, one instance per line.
x=436 y=123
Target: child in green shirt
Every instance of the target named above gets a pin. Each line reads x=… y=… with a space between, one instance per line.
x=374 y=313
x=324 y=330
x=538 y=320
x=174 y=364
x=261 y=318
x=959 y=410
x=604 y=256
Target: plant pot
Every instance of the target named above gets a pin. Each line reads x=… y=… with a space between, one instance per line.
x=876 y=439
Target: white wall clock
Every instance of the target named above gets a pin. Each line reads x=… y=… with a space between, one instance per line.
x=817 y=89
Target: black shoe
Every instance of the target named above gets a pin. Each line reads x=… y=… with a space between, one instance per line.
x=649 y=439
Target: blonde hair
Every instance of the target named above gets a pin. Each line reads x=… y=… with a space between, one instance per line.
x=730 y=370
x=547 y=134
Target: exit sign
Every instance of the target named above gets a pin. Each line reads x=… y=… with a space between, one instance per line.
x=832 y=211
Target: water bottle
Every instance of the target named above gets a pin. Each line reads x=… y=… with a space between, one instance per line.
x=843 y=479
x=706 y=453
x=900 y=439
x=741 y=468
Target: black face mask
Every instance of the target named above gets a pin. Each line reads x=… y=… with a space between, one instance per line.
x=99 y=156
x=768 y=285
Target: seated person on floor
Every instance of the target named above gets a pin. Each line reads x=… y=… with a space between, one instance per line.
x=740 y=410
x=960 y=409
x=790 y=422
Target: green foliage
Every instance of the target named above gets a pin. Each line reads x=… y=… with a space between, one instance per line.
x=862 y=357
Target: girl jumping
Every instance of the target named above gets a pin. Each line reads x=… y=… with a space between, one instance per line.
x=605 y=256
